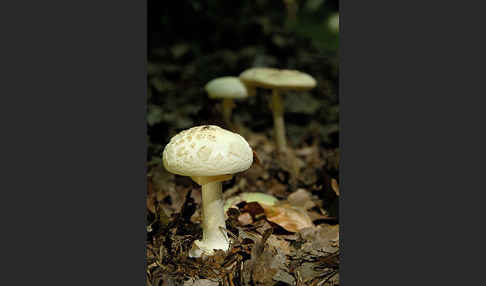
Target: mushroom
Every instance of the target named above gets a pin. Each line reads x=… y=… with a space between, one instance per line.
x=277 y=80
x=209 y=155
x=227 y=88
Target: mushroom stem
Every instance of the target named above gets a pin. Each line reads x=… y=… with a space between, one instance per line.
x=228 y=105
x=212 y=220
x=278 y=120
x=213 y=214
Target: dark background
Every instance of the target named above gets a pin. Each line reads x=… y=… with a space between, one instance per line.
x=193 y=42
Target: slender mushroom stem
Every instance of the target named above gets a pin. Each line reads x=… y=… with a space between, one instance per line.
x=213 y=216
x=228 y=106
x=278 y=120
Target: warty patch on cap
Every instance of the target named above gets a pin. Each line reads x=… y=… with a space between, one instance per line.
x=207 y=150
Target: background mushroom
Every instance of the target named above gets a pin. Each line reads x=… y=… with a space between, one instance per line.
x=227 y=88
x=278 y=80
x=209 y=155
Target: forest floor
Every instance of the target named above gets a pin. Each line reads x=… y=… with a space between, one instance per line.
x=293 y=240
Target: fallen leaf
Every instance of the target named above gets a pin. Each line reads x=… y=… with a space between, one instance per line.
x=256 y=210
x=318 y=218
x=245 y=219
x=288 y=217
x=266 y=269
x=307 y=271
x=281 y=245
x=201 y=282
x=335 y=186
x=301 y=198
x=250 y=197
x=321 y=238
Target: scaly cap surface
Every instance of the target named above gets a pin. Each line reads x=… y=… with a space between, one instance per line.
x=207 y=150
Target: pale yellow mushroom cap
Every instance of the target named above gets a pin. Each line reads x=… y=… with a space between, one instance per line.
x=207 y=150
x=277 y=78
x=226 y=87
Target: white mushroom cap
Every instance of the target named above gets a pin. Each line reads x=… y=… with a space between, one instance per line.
x=207 y=150
x=277 y=78
x=226 y=87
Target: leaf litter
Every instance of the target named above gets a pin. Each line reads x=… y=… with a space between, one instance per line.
x=283 y=237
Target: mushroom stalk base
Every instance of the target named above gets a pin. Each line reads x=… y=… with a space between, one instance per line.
x=212 y=220
x=278 y=121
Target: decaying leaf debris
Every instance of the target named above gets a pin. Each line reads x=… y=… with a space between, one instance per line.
x=294 y=241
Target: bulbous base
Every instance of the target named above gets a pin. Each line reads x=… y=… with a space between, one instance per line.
x=199 y=248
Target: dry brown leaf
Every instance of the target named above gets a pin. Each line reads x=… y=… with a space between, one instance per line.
x=245 y=219
x=281 y=245
x=316 y=216
x=335 y=186
x=301 y=198
x=290 y=218
x=255 y=209
x=266 y=269
x=201 y=282
x=307 y=271
x=323 y=237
